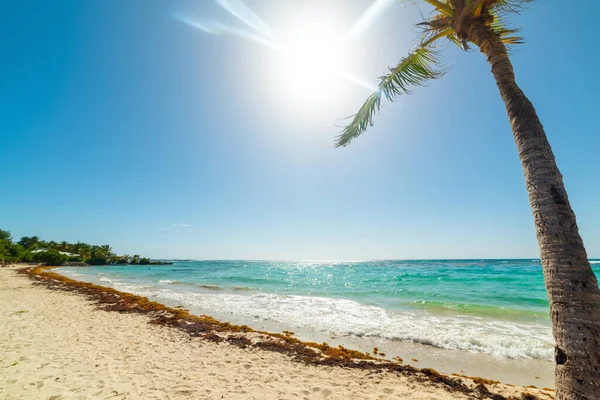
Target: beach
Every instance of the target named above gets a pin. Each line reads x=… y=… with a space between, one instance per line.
x=486 y=318
x=59 y=345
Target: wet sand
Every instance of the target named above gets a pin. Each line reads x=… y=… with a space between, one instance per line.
x=521 y=372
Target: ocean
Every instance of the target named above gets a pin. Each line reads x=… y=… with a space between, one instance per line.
x=497 y=307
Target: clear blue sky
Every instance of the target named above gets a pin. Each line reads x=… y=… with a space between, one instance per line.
x=121 y=124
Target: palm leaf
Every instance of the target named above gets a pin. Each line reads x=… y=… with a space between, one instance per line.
x=413 y=70
x=477 y=8
x=503 y=7
x=507 y=35
x=442 y=7
x=436 y=23
x=461 y=44
x=500 y=7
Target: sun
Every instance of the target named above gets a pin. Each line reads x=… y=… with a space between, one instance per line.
x=312 y=62
x=309 y=63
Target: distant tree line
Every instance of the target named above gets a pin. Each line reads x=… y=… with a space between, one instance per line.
x=34 y=249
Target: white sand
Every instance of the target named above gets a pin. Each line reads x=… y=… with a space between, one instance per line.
x=56 y=345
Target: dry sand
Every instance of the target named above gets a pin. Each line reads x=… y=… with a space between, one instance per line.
x=57 y=345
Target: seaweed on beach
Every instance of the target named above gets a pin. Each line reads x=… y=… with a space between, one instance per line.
x=296 y=351
x=485 y=392
x=239 y=341
x=211 y=329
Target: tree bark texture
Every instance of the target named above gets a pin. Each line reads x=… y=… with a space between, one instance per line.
x=572 y=287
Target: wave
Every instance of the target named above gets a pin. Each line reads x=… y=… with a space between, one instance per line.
x=344 y=317
x=449 y=317
x=210 y=287
x=242 y=289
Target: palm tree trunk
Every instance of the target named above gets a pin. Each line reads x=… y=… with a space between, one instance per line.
x=572 y=286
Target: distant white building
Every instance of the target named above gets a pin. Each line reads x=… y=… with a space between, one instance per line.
x=61 y=252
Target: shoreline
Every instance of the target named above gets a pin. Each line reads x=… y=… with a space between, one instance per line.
x=250 y=341
x=520 y=371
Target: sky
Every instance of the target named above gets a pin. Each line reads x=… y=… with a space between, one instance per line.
x=205 y=130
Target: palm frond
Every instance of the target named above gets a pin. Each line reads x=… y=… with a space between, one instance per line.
x=503 y=7
x=508 y=36
x=461 y=44
x=436 y=23
x=361 y=120
x=415 y=69
x=441 y=26
x=442 y=7
x=477 y=8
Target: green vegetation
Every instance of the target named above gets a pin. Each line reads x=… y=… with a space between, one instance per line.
x=12 y=252
x=51 y=257
x=34 y=249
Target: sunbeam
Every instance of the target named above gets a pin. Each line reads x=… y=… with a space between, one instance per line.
x=368 y=17
x=312 y=52
x=217 y=28
x=245 y=35
x=241 y=11
x=360 y=82
x=195 y=24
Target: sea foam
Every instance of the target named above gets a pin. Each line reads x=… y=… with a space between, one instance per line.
x=348 y=317
x=498 y=307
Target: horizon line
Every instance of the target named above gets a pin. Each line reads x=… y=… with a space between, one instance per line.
x=364 y=260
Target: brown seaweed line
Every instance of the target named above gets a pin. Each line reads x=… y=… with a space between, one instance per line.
x=211 y=329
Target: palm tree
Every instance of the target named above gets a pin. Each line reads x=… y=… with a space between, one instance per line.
x=30 y=243
x=83 y=249
x=572 y=286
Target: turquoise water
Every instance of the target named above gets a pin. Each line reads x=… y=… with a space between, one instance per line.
x=498 y=307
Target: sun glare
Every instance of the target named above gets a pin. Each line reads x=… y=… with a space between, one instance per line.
x=312 y=62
